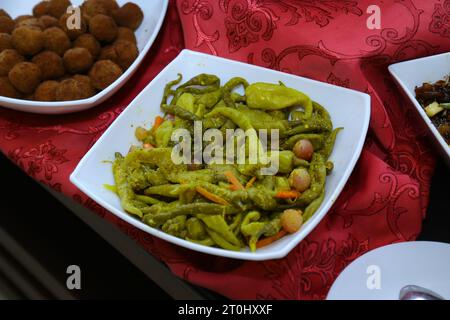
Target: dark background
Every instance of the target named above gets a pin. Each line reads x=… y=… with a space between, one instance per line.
x=55 y=237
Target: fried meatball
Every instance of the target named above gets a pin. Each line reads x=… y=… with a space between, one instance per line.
x=20 y=18
x=91 y=8
x=103 y=73
x=88 y=42
x=71 y=89
x=124 y=33
x=3 y=13
x=73 y=28
x=127 y=52
x=78 y=60
x=5 y=41
x=108 y=53
x=32 y=23
x=51 y=65
x=6 y=24
x=7 y=89
x=56 y=40
x=129 y=15
x=28 y=40
x=85 y=83
x=25 y=77
x=46 y=91
x=41 y=9
x=8 y=59
x=48 y=21
x=56 y=8
x=103 y=28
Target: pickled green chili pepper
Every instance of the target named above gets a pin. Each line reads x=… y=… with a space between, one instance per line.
x=221 y=242
x=163 y=134
x=218 y=224
x=313 y=206
x=318 y=173
x=229 y=86
x=329 y=143
x=314 y=124
x=168 y=88
x=268 y=96
x=195 y=229
x=123 y=189
x=180 y=112
x=234 y=115
x=176 y=226
x=187 y=102
x=210 y=99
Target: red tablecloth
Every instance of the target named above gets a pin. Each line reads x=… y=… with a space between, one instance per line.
x=328 y=40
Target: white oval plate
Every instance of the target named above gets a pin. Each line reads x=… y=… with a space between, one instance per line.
x=349 y=109
x=412 y=73
x=420 y=263
x=154 y=13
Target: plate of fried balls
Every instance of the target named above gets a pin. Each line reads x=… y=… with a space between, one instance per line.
x=62 y=56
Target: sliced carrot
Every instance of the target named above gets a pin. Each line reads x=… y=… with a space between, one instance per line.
x=292 y=194
x=235 y=184
x=266 y=241
x=211 y=196
x=158 y=122
x=250 y=183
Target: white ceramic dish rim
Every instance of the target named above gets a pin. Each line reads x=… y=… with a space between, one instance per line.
x=243 y=255
x=392 y=69
x=99 y=96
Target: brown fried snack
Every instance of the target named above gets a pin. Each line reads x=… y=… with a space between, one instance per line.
x=85 y=83
x=5 y=41
x=41 y=9
x=88 y=42
x=124 y=33
x=129 y=15
x=68 y=24
x=91 y=8
x=3 y=13
x=8 y=59
x=56 y=40
x=20 y=18
x=108 y=53
x=25 y=77
x=104 y=73
x=127 y=52
x=48 y=21
x=46 y=91
x=56 y=8
x=7 y=89
x=103 y=28
x=72 y=89
x=32 y=23
x=28 y=40
x=51 y=65
x=77 y=60
x=6 y=24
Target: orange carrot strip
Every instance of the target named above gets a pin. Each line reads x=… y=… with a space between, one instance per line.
x=211 y=196
x=250 y=183
x=292 y=194
x=158 y=121
x=236 y=185
x=266 y=241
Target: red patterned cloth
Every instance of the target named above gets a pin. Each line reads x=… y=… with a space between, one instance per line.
x=328 y=40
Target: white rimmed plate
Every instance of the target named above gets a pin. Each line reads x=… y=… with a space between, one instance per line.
x=412 y=73
x=154 y=13
x=349 y=109
x=381 y=273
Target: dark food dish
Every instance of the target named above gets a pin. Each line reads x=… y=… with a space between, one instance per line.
x=42 y=59
x=230 y=206
x=435 y=99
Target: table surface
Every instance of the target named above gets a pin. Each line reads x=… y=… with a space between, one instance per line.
x=69 y=238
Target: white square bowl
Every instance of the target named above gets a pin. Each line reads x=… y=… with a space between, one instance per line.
x=154 y=13
x=349 y=109
x=412 y=73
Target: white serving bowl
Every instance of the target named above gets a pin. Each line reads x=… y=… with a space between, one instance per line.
x=413 y=73
x=154 y=13
x=349 y=109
